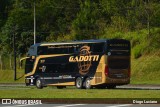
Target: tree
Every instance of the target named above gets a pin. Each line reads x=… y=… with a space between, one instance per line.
x=57 y=16
x=19 y=17
x=87 y=23
x=5 y=7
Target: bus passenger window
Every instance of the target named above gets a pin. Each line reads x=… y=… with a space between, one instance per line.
x=71 y=50
x=98 y=47
x=42 y=50
x=76 y=48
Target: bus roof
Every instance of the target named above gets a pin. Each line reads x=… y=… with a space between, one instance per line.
x=72 y=42
x=77 y=42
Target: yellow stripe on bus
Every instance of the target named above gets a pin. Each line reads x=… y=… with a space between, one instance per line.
x=63 y=84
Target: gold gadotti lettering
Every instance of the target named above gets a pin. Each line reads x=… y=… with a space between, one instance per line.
x=83 y=58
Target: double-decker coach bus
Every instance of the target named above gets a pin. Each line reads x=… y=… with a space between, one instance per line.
x=85 y=64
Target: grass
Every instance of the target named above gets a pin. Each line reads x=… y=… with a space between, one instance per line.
x=76 y=93
x=7 y=76
x=146 y=69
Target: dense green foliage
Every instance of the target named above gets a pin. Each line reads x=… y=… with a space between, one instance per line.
x=65 y=20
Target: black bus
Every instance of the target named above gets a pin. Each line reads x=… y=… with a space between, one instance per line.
x=84 y=64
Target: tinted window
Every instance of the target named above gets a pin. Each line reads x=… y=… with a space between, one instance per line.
x=118 y=47
x=98 y=47
x=42 y=50
x=118 y=44
x=118 y=62
x=71 y=49
x=58 y=49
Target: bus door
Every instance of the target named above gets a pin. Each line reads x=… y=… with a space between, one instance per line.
x=29 y=64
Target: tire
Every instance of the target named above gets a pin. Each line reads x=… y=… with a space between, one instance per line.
x=39 y=83
x=79 y=83
x=87 y=83
x=111 y=86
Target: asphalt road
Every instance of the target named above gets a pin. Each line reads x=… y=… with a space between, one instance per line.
x=128 y=87
x=139 y=86
x=84 y=105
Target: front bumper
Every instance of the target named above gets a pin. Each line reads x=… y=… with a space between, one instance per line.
x=30 y=81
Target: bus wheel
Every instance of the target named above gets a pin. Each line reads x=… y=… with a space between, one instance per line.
x=111 y=86
x=39 y=83
x=87 y=83
x=79 y=83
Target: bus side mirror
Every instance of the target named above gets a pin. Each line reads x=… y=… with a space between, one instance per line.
x=20 y=64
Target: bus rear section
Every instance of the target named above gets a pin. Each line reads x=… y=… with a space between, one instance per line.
x=117 y=68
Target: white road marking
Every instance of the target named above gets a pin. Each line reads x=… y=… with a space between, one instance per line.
x=70 y=105
x=120 y=105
